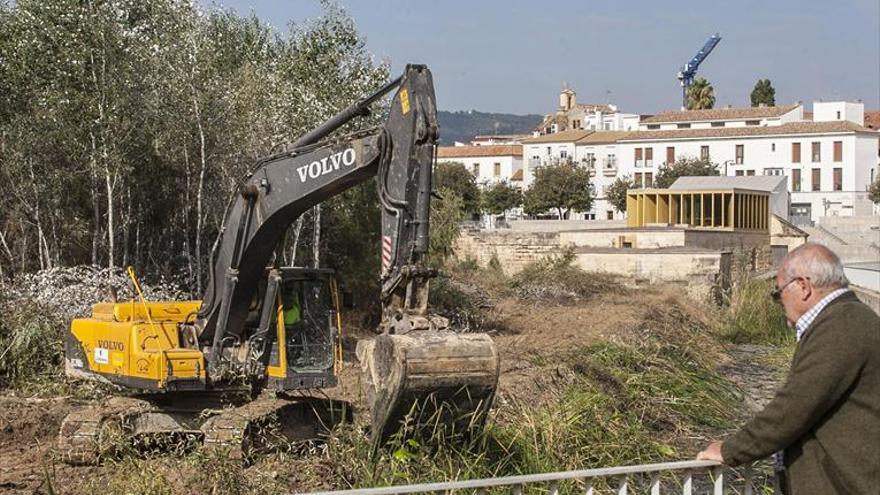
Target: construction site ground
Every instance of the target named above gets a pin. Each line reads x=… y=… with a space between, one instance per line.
x=535 y=333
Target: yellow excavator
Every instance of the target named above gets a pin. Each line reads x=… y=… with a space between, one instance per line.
x=274 y=332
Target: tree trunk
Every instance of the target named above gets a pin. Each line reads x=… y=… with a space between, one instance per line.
x=297 y=229
x=203 y=167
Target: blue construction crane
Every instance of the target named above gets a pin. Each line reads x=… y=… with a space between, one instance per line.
x=689 y=70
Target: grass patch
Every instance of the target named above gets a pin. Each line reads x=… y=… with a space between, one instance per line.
x=753 y=317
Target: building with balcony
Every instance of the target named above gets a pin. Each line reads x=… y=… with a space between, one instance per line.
x=489 y=163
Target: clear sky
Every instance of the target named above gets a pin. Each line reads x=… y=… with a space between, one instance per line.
x=514 y=55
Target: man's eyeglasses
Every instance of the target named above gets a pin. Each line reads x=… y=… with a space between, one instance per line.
x=776 y=294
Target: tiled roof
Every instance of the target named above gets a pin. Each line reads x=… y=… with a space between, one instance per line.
x=478 y=151
x=774 y=130
x=872 y=119
x=518 y=175
x=719 y=114
x=603 y=137
x=559 y=137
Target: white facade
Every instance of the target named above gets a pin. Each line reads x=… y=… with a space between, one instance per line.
x=488 y=164
x=829 y=165
x=839 y=110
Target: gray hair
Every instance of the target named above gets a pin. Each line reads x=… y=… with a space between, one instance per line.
x=816 y=262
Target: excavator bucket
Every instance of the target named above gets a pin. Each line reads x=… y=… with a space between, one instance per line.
x=428 y=381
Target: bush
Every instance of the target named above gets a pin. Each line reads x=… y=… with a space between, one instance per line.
x=556 y=279
x=753 y=317
x=467 y=306
x=31 y=350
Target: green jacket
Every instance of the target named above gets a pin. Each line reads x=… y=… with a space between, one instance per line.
x=827 y=414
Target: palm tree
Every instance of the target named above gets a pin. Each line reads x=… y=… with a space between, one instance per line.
x=701 y=95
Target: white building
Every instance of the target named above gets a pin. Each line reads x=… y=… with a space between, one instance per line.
x=829 y=162
x=489 y=163
x=549 y=148
x=598 y=151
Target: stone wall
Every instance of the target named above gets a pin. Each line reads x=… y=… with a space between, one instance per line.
x=514 y=250
x=624 y=237
x=698 y=272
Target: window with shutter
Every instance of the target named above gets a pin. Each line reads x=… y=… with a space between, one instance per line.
x=795 y=152
x=838 y=151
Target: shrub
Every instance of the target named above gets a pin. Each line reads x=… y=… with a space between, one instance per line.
x=30 y=344
x=555 y=278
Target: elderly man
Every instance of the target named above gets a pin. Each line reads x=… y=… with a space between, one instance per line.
x=826 y=418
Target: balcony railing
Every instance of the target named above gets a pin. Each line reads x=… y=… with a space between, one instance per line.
x=652 y=477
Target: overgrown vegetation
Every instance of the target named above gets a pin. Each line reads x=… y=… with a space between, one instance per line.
x=752 y=316
x=31 y=353
x=556 y=278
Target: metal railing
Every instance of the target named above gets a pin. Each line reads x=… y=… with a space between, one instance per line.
x=620 y=479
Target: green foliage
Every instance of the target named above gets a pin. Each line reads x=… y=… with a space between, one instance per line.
x=684 y=167
x=561 y=186
x=127 y=126
x=616 y=192
x=874 y=191
x=753 y=317
x=500 y=197
x=556 y=279
x=446 y=215
x=453 y=176
x=31 y=353
x=700 y=95
x=763 y=93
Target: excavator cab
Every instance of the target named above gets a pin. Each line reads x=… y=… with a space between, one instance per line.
x=306 y=350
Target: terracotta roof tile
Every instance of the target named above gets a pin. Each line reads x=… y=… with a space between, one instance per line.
x=721 y=132
x=719 y=114
x=518 y=175
x=559 y=137
x=478 y=151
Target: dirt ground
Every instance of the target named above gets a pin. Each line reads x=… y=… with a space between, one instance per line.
x=536 y=332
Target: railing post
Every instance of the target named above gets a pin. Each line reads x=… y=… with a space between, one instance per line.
x=554 y=488
x=655 y=484
x=747 y=479
x=688 y=488
x=588 y=486
x=718 y=475
x=517 y=489
x=623 y=487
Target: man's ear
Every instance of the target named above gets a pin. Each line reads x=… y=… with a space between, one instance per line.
x=806 y=287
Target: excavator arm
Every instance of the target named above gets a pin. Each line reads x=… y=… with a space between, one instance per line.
x=282 y=187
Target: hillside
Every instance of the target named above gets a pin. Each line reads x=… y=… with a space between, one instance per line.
x=464 y=125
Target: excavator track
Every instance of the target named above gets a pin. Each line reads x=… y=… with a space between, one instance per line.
x=87 y=433
x=130 y=425
x=270 y=422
